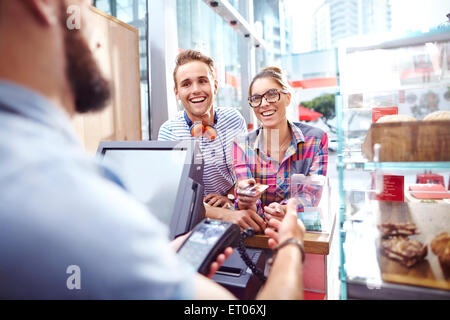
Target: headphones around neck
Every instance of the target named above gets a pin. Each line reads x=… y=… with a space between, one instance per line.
x=197 y=129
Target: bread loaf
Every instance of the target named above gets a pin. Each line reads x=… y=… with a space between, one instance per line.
x=396 y=118
x=438 y=115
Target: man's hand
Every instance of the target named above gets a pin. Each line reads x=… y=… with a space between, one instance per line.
x=219 y=261
x=246 y=201
x=217 y=200
x=290 y=227
x=178 y=241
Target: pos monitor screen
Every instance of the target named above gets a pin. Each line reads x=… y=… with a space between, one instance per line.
x=166 y=176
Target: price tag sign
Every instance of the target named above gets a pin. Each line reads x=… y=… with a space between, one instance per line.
x=393 y=189
x=377 y=113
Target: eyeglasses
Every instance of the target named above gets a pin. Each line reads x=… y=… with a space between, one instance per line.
x=271 y=95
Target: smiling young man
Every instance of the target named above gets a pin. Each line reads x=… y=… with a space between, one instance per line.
x=214 y=128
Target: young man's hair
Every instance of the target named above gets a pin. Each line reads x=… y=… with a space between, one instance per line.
x=193 y=55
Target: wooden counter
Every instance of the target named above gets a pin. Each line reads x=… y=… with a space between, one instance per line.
x=314 y=242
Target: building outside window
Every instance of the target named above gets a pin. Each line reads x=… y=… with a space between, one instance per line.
x=274 y=25
x=200 y=28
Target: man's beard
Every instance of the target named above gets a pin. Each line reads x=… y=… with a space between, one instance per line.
x=90 y=89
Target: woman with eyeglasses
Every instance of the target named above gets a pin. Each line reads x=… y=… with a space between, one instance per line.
x=276 y=150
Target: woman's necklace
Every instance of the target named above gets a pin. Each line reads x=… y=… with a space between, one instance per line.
x=279 y=150
x=285 y=144
x=283 y=147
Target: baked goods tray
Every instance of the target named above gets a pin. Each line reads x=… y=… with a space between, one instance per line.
x=409 y=141
x=431 y=219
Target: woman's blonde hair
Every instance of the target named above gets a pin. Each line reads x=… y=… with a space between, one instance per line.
x=274 y=73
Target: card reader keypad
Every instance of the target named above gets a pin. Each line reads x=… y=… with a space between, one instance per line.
x=194 y=253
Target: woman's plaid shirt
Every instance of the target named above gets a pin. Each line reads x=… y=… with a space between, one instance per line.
x=306 y=154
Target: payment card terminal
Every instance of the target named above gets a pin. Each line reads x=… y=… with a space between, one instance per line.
x=207 y=240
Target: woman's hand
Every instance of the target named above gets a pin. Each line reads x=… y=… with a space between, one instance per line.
x=247 y=199
x=274 y=211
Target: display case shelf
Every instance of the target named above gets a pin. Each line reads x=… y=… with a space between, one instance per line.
x=409 y=166
x=412 y=74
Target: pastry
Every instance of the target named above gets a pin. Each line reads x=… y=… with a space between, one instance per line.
x=440 y=246
x=407 y=252
x=389 y=229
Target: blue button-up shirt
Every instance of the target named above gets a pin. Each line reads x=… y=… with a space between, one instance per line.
x=68 y=230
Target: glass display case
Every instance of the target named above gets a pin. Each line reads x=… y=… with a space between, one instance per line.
x=382 y=166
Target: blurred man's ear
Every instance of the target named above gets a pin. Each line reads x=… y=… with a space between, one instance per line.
x=216 y=86
x=45 y=11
